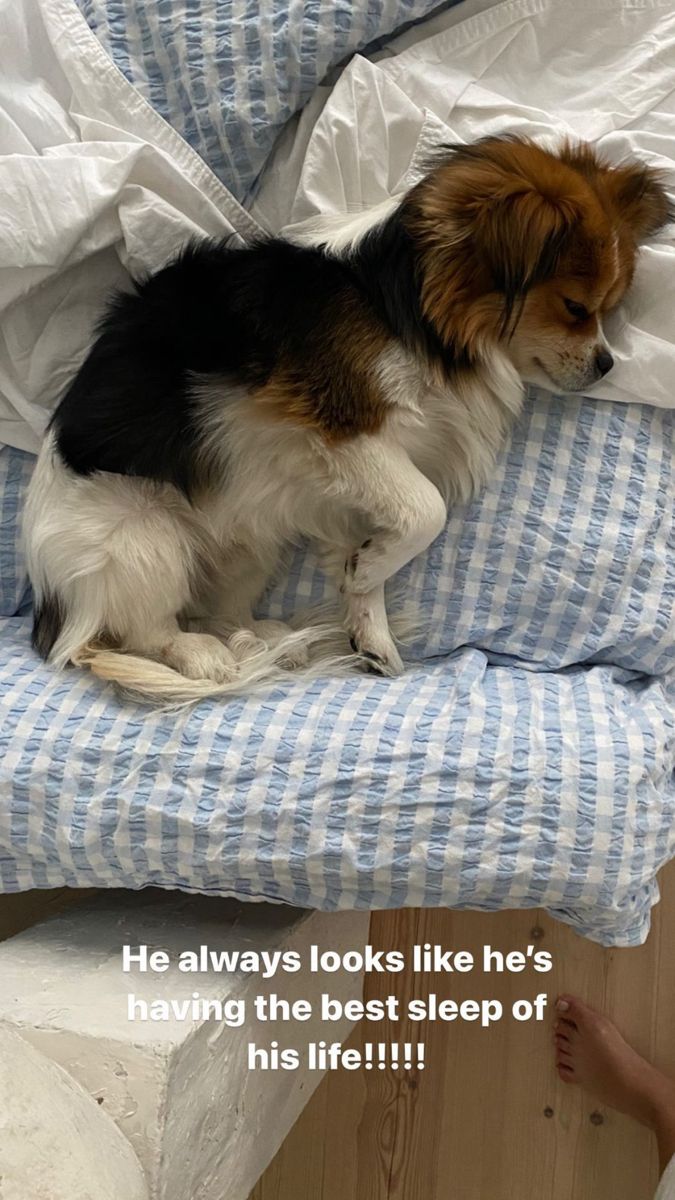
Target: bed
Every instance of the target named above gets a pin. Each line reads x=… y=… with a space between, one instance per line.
x=525 y=758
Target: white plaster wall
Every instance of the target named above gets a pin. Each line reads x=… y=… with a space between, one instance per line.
x=55 y=1141
x=203 y=1126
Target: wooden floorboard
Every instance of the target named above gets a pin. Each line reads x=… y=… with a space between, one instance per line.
x=488 y=1119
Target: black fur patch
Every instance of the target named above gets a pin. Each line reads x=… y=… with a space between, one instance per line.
x=48 y=618
x=227 y=313
x=214 y=311
x=385 y=265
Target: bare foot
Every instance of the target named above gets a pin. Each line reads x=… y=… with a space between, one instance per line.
x=591 y=1052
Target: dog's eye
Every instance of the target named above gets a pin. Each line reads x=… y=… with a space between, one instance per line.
x=576 y=310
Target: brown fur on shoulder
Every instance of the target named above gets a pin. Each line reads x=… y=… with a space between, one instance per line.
x=334 y=389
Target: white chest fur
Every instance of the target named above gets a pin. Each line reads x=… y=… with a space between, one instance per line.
x=452 y=432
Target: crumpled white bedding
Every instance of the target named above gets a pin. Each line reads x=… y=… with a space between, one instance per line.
x=93 y=183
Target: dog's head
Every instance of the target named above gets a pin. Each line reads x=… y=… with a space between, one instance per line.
x=531 y=249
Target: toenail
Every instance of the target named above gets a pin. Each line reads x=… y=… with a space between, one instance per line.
x=596 y=1118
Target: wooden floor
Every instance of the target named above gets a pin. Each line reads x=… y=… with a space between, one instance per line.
x=488 y=1119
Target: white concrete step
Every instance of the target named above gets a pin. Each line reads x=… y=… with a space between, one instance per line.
x=55 y=1141
x=203 y=1126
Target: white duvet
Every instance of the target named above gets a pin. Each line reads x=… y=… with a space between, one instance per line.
x=94 y=183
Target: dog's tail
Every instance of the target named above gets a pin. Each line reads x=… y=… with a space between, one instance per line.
x=158 y=684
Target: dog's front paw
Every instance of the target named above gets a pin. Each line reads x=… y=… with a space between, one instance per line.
x=379 y=654
x=361 y=570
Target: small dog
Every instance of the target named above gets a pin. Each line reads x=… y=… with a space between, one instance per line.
x=345 y=391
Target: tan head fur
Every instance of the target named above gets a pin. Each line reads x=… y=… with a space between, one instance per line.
x=531 y=248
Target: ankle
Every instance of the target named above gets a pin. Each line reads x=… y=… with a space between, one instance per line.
x=665 y=1138
x=659 y=1108
x=650 y=1099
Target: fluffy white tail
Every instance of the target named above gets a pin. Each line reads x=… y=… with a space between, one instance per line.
x=161 y=685
x=341 y=231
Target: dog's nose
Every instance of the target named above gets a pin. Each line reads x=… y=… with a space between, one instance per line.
x=603 y=362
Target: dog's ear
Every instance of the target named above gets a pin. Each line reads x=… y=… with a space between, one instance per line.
x=521 y=233
x=496 y=217
x=639 y=198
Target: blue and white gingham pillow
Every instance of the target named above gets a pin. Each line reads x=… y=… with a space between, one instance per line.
x=16 y=468
x=228 y=74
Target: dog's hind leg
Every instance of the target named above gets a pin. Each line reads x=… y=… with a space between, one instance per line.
x=226 y=609
x=117 y=559
x=234 y=588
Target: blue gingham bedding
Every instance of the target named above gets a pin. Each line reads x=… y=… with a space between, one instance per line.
x=228 y=74
x=524 y=759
